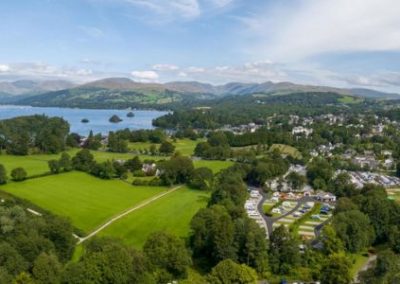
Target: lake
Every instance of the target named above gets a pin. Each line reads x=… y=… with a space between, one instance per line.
x=98 y=118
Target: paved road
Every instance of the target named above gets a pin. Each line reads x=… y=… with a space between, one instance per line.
x=123 y=214
x=271 y=220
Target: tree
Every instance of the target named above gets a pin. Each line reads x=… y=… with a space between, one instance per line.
x=46 y=269
x=23 y=278
x=18 y=174
x=167 y=252
x=227 y=272
x=202 y=178
x=11 y=260
x=331 y=242
x=319 y=173
x=166 y=148
x=104 y=170
x=105 y=261
x=283 y=251
x=3 y=174
x=295 y=180
x=354 y=229
x=336 y=270
x=54 y=166
x=133 y=164
x=177 y=169
x=65 y=162
x=386 y=269
x=83 y=161
x=251 y=243
x=117 y=143
x=92 y=142
x=73 y=140
x=213 y=235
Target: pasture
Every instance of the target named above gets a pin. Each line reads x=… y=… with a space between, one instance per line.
x=86 y=200
x=171 y=213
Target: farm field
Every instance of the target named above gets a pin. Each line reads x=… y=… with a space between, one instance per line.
x=86 y=200
x=171 y=213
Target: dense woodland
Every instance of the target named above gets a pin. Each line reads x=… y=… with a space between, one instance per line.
x=37 y=134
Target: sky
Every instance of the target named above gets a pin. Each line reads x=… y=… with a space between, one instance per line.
x=337 y=43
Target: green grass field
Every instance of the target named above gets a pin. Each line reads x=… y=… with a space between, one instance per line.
x=215 y=166
x=171 y=213
x=86 y=200
x=184 y=146
x=288 y=150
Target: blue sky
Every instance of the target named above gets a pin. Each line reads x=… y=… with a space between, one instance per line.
x=334 y=42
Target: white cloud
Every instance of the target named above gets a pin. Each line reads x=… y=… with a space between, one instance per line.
x=165 y=67
x=176 y=9
x=314 y=27
x=145 y=76
x=180 y=8
x=259 y=71
x=194 y=69
x=93 y=32
x=38 y=70
x=4 y=68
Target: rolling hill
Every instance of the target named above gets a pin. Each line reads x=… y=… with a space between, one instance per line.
x=123 y=93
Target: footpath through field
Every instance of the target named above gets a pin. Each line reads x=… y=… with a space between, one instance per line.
x=126 y=212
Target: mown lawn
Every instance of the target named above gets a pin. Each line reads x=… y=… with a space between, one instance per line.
x=171 y=213
x=184 y=146
x=86 y=200
x=215 y=166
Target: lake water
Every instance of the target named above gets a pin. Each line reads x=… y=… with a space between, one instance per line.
x=98 y=118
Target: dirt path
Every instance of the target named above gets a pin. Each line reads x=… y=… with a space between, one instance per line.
x=128 y=211
x=367 y=265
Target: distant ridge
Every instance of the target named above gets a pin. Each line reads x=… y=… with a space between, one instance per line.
x=122 y=91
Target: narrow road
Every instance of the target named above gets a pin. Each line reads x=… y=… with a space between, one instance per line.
x=271 y=220
x=123 y=214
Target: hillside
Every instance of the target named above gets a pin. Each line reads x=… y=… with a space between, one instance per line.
x=15 y=90
x=123 y=93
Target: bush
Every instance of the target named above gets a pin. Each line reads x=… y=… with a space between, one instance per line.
x=18 y=174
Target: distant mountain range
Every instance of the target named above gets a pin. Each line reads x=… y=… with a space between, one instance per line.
x=119 y=92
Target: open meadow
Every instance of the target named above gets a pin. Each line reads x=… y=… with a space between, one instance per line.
x=86 y=200
x=171 y=213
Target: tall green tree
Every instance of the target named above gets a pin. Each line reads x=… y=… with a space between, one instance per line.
x=167 y=252
x=3 y=175
x=227 y=272
x=283 y=251
x=336 y=270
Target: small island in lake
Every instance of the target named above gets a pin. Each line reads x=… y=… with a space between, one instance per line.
x=85 y=120
x=130 y=114
x=115 y=119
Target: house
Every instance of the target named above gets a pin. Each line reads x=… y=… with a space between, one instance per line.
x=302 y=130
x=365 y=161
x=149 y=168
x=325 y=197
x=388 y=163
